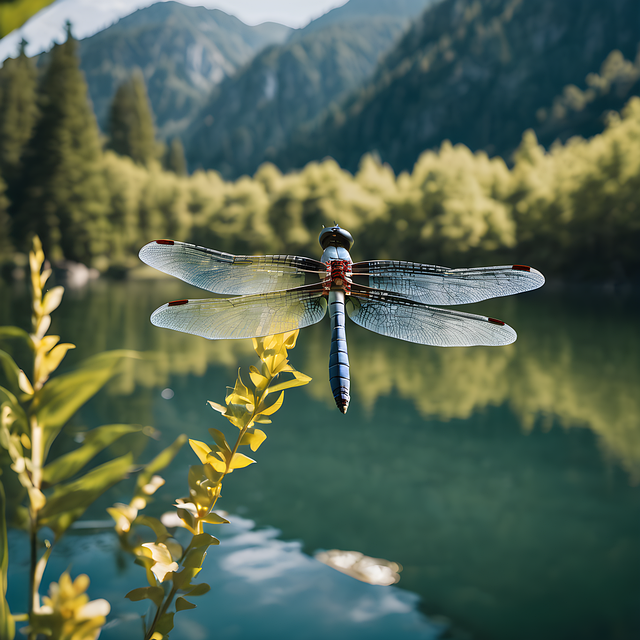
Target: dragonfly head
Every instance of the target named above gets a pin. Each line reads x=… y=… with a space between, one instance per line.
x=336 y=237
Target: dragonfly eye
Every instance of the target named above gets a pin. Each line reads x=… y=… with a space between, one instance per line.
x=335 y=236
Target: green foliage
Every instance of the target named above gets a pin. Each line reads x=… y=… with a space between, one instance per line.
x=7 y=624
x=18 y=111
x=174 y=158
x=131 y=128
x=62 y=195
x=33 y=410
x=14 y=13
x=165 y=560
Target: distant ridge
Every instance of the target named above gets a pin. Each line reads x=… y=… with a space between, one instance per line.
x=472 y=72
x=250 y=115
x=182 y=51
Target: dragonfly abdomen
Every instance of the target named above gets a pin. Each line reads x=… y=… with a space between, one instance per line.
x=339 y=358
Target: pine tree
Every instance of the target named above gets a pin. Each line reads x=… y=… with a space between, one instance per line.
x=63 y=192
x=131 y=128
x=174 y=159
x=18 y=111
x=5 y=243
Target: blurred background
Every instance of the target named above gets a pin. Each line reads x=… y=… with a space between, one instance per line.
x=456 y=132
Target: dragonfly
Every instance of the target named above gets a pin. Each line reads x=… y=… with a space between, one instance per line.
x=273 y=294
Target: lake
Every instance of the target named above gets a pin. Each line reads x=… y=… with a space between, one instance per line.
x=504 y=480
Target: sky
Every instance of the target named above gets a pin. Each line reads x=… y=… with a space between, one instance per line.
x=90 y=16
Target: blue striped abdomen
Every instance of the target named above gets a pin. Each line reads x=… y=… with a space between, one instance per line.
x=339 y=358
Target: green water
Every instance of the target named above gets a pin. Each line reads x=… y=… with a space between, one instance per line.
x=504 y=480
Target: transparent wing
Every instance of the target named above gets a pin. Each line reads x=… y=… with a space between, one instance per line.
x=412 y=321
x=431 y=284
x=227 y=274
x=245 y=316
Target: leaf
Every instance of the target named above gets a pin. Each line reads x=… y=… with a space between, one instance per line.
x=214 y=518
x=198 y=590
x=195 y=558
x=62 y=396
x=201 y=449
x=160 y=462
x=183 y=579
x=218 y=407
x=15 y=333
x=95 y=441
x=271 y=409
x=165 y=624
x=254 y=438
x=257 y=378
x=16 y=14
x=219 y=439
x=7 y=625
x=50 y=362
x=155 y=594
x=188 y=519
x=204 y=540
x=7 y=398
x=240 y=461
x=298 y=381
x=11 y=372
x=51 y=300
x=154 y=524
x=68 y=502
x=182 y=604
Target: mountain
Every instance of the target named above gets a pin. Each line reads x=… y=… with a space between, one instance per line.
x=474 y=72
x=182 y=51
x=366 y=8
x=250 y=115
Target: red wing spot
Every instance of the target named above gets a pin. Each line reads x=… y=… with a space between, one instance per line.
x=498 y=322
x=521 y=267
x=177 y=303
x=165 y=242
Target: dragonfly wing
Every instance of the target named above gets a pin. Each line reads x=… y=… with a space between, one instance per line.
x=432 y=284
x=245 y=316
x=228 y=274
x=412 y=321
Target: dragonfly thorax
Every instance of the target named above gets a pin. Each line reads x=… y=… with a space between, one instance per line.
x=338 y=276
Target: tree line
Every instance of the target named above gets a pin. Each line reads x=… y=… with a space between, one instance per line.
x=573 y=211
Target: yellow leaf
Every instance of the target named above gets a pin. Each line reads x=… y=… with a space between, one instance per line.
x=52 y=300
x=201 y=449
x=254 y=438
x=289 y=384
x=290 y=339
x=163 y=561
x=47 y=343
x=43 y=326
x=270 y=410
x=240 y=461
x=218 y=465
x=257 y=378
x=24 y=384
x=218 y=407
x=49 y=363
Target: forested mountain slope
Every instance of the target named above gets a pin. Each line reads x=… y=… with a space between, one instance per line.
x=182 y=51
x=476 y=72
x=250 y=115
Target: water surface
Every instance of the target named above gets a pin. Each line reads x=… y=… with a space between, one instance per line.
x=504 y=480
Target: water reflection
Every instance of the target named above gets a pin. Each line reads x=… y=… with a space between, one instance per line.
x=576 y=361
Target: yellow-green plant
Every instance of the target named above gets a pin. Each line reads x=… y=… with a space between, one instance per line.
x=33 y=411
x=170 y=567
